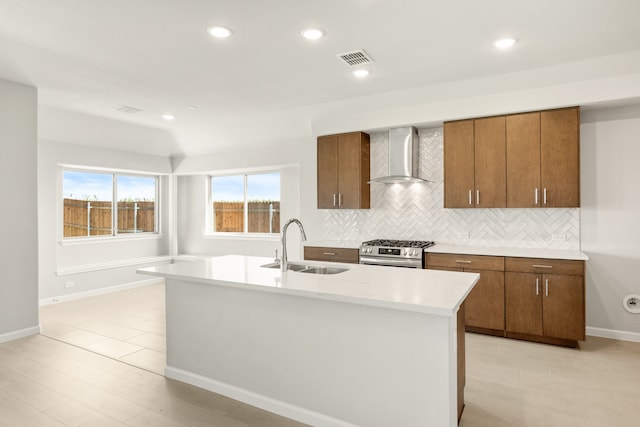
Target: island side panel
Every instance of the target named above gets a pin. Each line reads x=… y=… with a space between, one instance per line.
x=359 y=364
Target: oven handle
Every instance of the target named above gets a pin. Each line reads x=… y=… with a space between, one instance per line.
x=414 y=263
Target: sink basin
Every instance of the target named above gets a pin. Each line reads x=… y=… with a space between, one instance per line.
x=323 y=270
x=311 y=269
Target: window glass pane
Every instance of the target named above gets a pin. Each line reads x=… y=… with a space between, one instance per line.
x=136 y=197
x=263 y=196
x=87 y=203
x=227 y=194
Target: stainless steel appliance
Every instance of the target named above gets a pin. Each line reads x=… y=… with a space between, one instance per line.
x=395 y=253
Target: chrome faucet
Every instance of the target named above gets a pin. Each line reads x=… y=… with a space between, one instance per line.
x=283 y=261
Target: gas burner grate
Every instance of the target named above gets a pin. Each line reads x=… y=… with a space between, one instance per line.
x=399 y=243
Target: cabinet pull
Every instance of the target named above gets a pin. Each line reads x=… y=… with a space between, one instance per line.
x=334 y=199
x=477 y=197
x=544 y=196
x=546 y=287
x=536 y=196
x=328 y=253
x=537 y=286
x=542 y=266
x=463 y=261
x=470 y=197
x=340 y=199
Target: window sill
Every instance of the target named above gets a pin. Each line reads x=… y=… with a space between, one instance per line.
x=109 y=239
x=242 y=236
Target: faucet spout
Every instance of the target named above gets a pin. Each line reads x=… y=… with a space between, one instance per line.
x=283 y=261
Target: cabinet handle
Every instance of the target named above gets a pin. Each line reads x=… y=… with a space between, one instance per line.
x=537 y=286
x=328 y=253
x=544 y=196
x=334 y=199
x=463 y=261
x=542 y=266
x=536 y=197
x=470 y=198
x=546 y=287
x=477 y=197
x=340 y=199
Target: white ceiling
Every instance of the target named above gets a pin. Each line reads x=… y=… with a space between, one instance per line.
x=93 y=56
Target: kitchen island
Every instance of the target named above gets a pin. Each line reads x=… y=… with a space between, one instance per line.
x=371 y=346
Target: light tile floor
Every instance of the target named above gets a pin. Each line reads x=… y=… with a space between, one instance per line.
x=127 y=325
x=509 y=383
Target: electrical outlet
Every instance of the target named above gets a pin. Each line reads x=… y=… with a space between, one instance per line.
x=463 y=235
x=69 y=284
x=559 y=237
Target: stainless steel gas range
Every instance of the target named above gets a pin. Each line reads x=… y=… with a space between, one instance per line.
x=394 y=253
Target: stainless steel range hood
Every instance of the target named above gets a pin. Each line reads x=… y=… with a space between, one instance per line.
x=404 y=147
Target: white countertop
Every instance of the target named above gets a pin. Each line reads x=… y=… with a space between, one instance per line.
x=508 y=252
x=424 y=291
x=471 y=250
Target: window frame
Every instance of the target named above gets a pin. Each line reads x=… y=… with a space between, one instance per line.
x=245 y=234
x=114 y=211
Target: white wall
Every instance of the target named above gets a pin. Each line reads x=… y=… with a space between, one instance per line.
x=18 y=216
x=610 y=235
x=100 y=263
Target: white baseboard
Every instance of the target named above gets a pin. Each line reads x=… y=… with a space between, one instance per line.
x=612 y=333
x=101 y=291
x=272 y=405
x=88 y=268
x=10 y=336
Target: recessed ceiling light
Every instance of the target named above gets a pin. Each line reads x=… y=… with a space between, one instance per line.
x=361 y=73
x=312 y=33
x=504 y=43
x=219 y=32
x=168 y=117
x=192 y=107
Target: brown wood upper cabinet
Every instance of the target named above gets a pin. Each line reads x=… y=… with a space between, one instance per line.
x=475 y=163
x=343 y=171
x=543 y=159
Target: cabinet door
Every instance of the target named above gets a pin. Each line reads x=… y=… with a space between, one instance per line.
x=459 y=166
x=560 y=158
x=523 y=303
x=563 y=307
x=353 y=188
x=328 y=172
x=490 y=162
x=523 y=160
x=484 y=307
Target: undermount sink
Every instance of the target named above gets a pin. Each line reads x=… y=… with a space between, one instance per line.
x=323 y=270
x=312 y=269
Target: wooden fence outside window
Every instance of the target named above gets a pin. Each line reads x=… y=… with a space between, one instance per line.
x=263 y=217
x=93 y=217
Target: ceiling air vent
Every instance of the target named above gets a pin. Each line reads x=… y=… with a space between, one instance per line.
x=355 y=58
x=128 y=110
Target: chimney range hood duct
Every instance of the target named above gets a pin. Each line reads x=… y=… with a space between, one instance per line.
x=403 y=157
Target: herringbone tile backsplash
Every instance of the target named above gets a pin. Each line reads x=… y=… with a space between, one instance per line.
x=415 y=211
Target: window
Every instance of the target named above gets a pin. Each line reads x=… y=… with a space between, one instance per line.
x=245 y=203
x=89 y=199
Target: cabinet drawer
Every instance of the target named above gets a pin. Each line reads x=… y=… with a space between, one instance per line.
x=543 y=265
x=476 y=262
x=316 y=253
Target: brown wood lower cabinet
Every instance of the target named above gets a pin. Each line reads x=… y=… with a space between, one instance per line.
x=525 y=298
x=484 y=307
x=545 y=300
x=317 y=253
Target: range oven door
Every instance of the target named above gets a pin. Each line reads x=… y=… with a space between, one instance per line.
x=391 y=262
